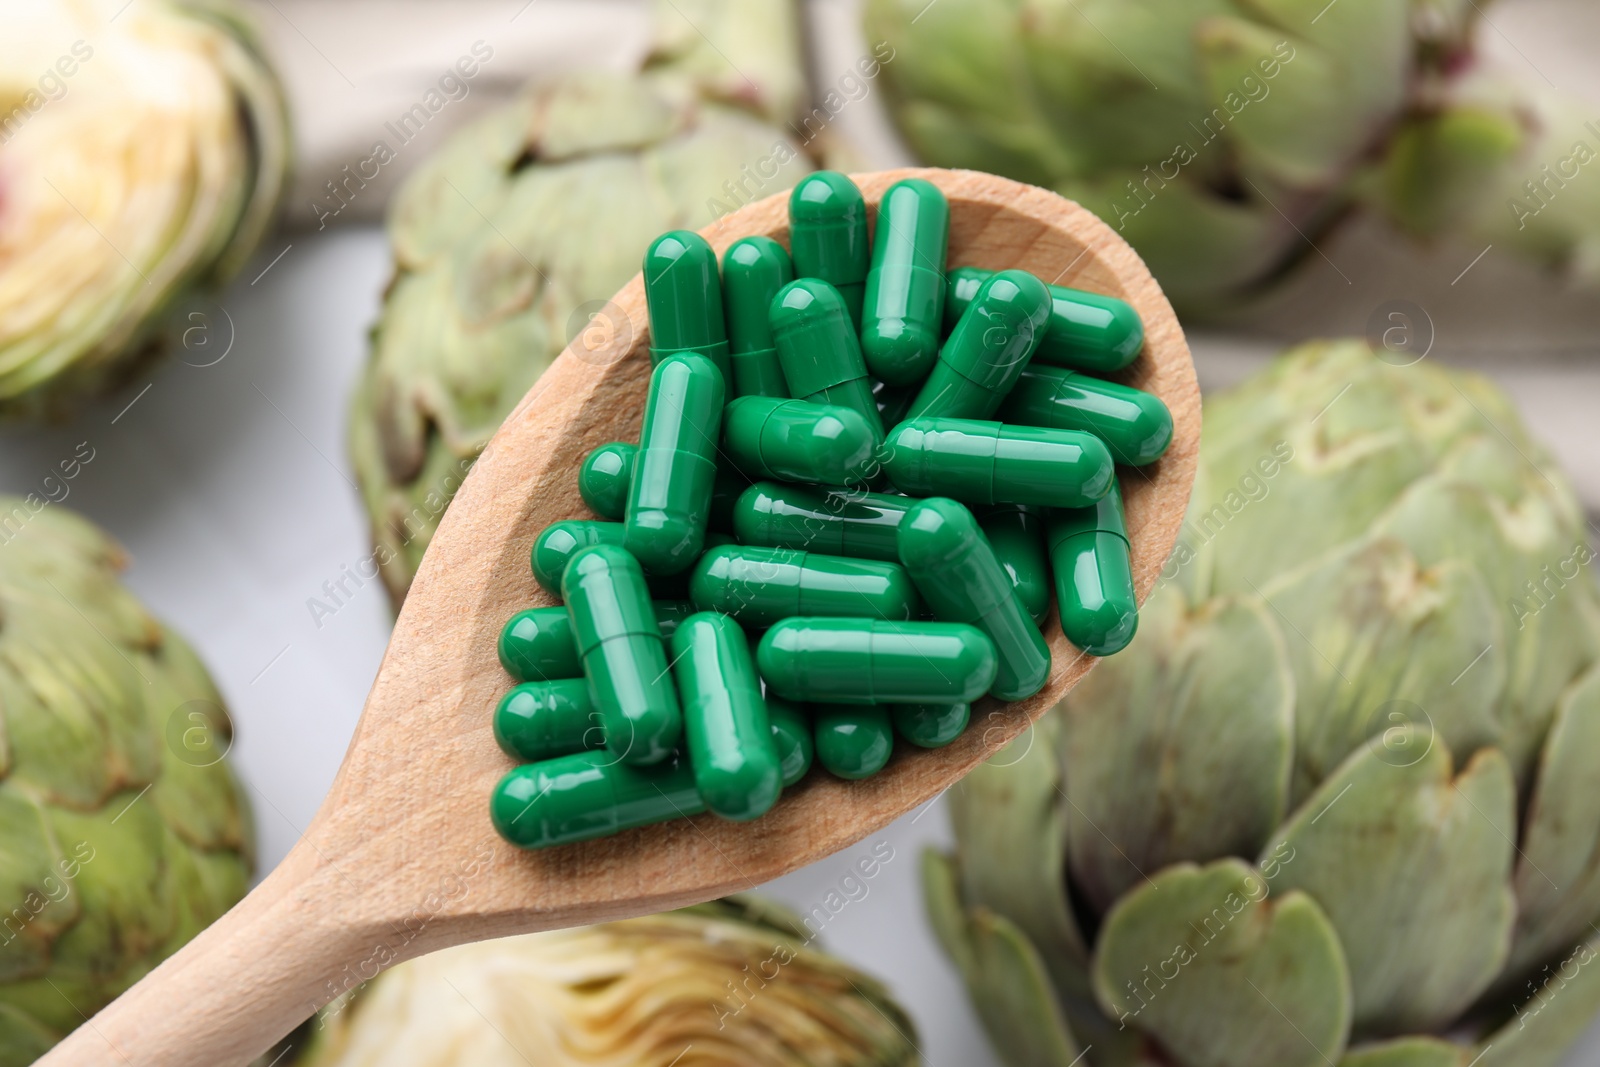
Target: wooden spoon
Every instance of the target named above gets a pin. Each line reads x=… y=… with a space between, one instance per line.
x=401 y=859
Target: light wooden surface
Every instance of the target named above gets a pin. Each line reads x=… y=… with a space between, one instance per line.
x=401 y=859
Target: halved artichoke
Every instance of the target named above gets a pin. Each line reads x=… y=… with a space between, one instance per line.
x=143 y=150
x=1335 y=803
x=122 y=831
x=734 y=983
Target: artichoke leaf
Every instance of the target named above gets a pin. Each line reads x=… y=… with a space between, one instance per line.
x=1558 y=868
x=1146 y=740
x=1015 y=866
x=1407 y=1052
x=1412 y=865
x=1007 y=981
x=1542 y=1030
x=1375 y=642
x=1221 y=975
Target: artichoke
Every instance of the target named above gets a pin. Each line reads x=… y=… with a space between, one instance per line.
x=509 y=241
x=143 y=151
x=731 y=982
x=1223 y=139
x=122 y=831
x=1335 y=804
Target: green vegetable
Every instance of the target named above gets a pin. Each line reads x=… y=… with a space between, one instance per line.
x=122 y=831
x=1223 y=139
x=733 y=982
x=143 y=151
x=509 y=241
x=1337 y=797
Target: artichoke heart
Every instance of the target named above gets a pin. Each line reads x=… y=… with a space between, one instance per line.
x=143 y=151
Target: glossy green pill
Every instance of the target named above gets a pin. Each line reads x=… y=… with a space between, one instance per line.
x=684 y=297
x=958 y=574
x=604 y=478
x=1094 y=575
x=537 y=643
x=761 y=586
x=818 y=349
x=854 y=742
x=542 y=720
x=828 y=236
x=557 y=543
x=669 y=498
x=753 y=270
x=980 y=462
x=990 y=345
x=799 y=441
x=868 y=661
x=619 y=642
x=1087 y=331
x=791 y=733
x=730 y=744
x=902 y=314
x=839 y=522
x=588 y=795
x=1136 y=426
x=930 y=725
x=1016 y=533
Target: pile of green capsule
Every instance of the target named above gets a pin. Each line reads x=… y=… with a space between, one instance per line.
x=856 y=474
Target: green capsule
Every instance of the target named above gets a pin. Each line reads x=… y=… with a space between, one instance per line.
x=753 y=270
x=1136 y=426
x=869 y=661
x=730 y=744
x=854 y=742
x=791 y=733
x=957 y=573
x=604 y=478
x=1016 y=533
x=542 y=720
x=980 y=462
x=669 y=499
x=684 y=298
x=619 y=642
x=760 y=586
x=1087 y=331
x=560 y=541
x=818 y=350
x=990 y=345
x=840 y=522
x=930 y=725
x=799 y=441
x=537 y=644
x=902 y=313
x=588 y=795
x=557 y=543
x=1094 y=575
x=828 y=236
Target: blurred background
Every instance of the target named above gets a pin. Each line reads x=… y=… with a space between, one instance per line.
x=244 y=480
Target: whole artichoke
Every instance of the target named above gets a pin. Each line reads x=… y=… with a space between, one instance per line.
x=122 y=831
x=143 y=150
x=1222 y=139
x=1336 y=803
x=732 y=983
x=508 y=242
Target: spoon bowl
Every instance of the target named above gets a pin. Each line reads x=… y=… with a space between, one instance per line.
x=401 y=858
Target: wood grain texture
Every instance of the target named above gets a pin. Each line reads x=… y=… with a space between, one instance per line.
x=401 y=859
